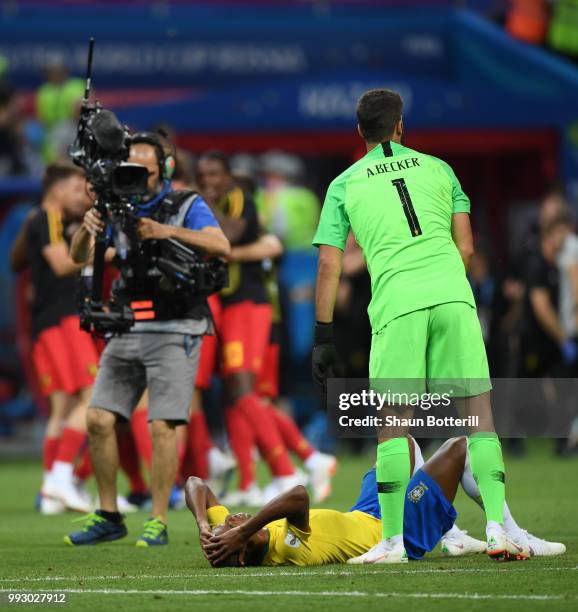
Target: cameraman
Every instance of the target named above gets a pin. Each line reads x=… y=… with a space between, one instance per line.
x=160 y=352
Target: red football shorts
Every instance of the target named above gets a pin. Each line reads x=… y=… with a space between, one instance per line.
x=208 y=357
x=268 y=377
x=65 y=358
x=245 y=333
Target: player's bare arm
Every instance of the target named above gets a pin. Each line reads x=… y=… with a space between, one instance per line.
x=199 y=498
x=18 y=261
x=546 y=315
x=232 y=228
x=92 y=225
x=325 y=361
x=209 y=240
x=573 y=276
x=328 y=273
x=267 y=247
x=462 y=236
x=292 y=505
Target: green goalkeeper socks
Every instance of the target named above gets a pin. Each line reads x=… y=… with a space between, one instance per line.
x=487 y=467
x=393 y=473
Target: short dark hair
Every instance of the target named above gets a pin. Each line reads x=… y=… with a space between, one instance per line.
x=59 y=171
x=220 y=157
x=378 y=112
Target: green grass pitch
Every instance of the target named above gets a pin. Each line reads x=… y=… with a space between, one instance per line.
x=543 y=495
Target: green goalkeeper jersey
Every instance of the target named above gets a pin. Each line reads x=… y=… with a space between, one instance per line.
x=399 y=204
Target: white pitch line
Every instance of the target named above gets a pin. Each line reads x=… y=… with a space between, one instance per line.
x=203 y=592
x=280 y=572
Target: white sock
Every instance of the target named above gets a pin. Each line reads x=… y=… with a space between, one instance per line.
x=418 y=456
x=493 y=526
x=454 y=531
x=311 y=462
x=214 y=455
x=62 y=472
x=282 y=480
x=509 y=522
x=394 y=541
x=469 y=484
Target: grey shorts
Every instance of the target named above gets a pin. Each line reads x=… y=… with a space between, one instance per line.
x=164 y=363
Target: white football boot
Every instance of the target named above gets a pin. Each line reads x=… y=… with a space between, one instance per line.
x=282 y=484
x=321 y=469
x=124 y=506
x=387 y=551
x=501 y=547
x=67 y=493
x=50 y=506
x=221 y=469
x=252 y=497
x=83 y=492
x=543 y=548
x=455 y=543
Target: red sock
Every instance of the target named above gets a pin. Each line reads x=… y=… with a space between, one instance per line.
x=181 y=451
x=267 y=436
x=292 y=437
x=49 y=452
x=199 y=443
x=70 y=445
x=83 y=469
x=142 y=436
x=241 y=439
x=129 y=462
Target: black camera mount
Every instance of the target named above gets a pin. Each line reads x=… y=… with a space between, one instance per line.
x=102 y=148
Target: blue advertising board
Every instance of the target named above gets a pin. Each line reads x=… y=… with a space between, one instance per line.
x=275 y=67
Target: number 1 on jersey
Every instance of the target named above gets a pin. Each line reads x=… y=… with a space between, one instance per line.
x=407 y=206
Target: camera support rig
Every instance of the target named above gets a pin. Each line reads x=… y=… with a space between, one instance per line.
x=101 y=148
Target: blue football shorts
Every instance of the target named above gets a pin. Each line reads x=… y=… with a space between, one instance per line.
x=427 y=513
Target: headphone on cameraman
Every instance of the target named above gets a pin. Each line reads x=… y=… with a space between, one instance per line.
x=167 y=161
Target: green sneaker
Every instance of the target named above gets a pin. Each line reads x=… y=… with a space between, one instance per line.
x=96 y=529
x=155 y=534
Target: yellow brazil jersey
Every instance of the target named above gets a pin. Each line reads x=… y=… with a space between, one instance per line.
x=334 y=537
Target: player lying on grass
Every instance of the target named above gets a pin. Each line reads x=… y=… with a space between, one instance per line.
x=287 y=532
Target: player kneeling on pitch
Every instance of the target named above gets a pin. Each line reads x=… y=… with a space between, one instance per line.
x=287 y=532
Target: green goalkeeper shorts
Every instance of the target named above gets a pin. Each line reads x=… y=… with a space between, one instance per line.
x=435 y=349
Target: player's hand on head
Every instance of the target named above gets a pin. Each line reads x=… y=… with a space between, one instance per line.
x=204 y=539
x=93 y=222
x=148 y=229
x=220 y=547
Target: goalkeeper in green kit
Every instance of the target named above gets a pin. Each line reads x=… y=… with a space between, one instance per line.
x=410 y=217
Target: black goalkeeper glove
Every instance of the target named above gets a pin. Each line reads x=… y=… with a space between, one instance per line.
x=325 y=362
